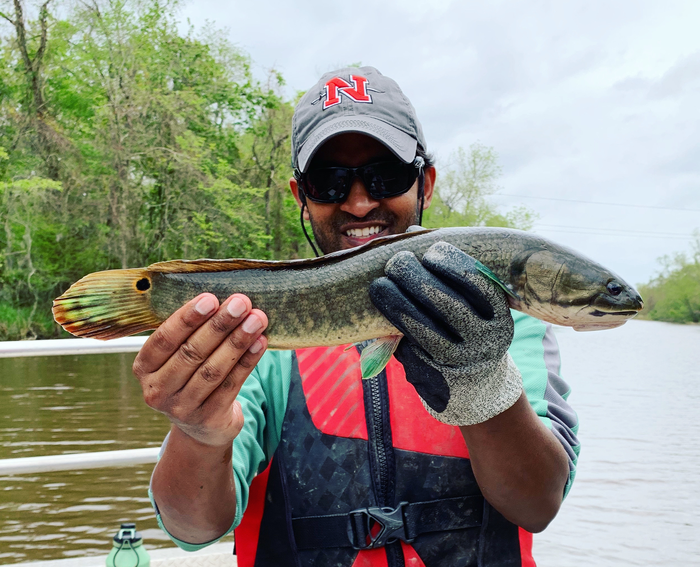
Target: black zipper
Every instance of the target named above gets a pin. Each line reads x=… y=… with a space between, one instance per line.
x=382 y=460
x=380 y=439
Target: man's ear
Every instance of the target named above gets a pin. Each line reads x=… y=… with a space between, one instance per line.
x=429 y=186
x=294 y=186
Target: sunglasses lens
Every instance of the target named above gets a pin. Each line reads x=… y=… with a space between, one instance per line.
x=388 y=179
x=327 y=185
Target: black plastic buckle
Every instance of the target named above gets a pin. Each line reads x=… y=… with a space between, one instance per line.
x=391 y=522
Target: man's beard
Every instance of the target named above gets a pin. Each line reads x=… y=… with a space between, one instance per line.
x=328 y=235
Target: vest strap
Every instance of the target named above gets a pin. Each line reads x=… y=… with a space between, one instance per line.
x=369 y=528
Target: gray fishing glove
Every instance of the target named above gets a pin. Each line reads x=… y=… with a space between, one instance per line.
x=457 y=329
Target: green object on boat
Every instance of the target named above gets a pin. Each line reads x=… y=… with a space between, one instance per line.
x=127 y=549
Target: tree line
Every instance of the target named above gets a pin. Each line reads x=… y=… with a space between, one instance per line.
x=124 y=142
x=674 y=294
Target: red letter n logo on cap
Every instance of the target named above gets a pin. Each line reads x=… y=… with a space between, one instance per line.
x=356 y=92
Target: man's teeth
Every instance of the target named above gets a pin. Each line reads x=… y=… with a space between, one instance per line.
x=362 y=232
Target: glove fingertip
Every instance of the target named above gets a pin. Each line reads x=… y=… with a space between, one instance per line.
x=445 y=258
x=380 y=288
x=400 y=262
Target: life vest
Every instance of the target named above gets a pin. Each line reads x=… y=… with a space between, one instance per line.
x=364 y=476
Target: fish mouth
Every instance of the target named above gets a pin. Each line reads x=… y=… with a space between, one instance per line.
x=598 y=319
x=599 y=313
x=626 y=304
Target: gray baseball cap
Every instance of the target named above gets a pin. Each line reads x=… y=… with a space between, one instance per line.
x=355 y=99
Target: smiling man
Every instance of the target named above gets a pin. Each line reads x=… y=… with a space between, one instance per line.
x=453 y=455
x=357 y=216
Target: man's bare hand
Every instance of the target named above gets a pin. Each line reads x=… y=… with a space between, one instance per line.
x=193 y=366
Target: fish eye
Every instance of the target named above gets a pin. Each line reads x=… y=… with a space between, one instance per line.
x=614 y=288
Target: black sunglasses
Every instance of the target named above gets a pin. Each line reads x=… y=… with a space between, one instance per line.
x=381 y=179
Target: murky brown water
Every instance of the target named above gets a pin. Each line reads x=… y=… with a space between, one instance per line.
x=636 y=499
x=70 y=404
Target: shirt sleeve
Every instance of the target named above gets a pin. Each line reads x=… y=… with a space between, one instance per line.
x=263 y=398
x=536 y=354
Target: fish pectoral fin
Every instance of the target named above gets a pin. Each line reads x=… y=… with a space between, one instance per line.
x=375 y=356
x=494 y=278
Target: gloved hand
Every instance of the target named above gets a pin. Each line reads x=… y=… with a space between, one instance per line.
x=457 y=329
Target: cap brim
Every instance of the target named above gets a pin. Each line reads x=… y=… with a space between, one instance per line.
x=403 y=145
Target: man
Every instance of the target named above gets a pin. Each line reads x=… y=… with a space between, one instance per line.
x=438 y=460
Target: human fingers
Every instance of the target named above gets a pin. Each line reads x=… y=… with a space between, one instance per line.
x=233 y=353
x=221 y=409
x=206 y=408
x=193 y=354
x=174 y=331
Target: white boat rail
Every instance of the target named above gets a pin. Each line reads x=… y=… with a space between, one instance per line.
x=78 y=461
x=61 y=347
x=74 y=461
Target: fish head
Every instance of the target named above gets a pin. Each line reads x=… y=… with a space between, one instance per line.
x=564 y=287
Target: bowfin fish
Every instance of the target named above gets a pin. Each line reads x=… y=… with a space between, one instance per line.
x=325 y=301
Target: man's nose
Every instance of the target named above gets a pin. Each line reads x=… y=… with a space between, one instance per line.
x=359 y=201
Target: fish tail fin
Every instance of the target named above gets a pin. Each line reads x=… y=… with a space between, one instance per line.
x=107 y=305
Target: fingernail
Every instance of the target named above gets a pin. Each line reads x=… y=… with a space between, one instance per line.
x=236 y=307
x=206 y=305
x=252 y=324
x=255 y=347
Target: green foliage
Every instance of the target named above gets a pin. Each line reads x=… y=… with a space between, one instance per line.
x=124 y=142
x=674 y=295
x=17 y=323
x=462 y=190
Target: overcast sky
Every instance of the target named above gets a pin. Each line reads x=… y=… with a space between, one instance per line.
x=591 y=102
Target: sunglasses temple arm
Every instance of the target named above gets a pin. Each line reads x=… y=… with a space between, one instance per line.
x=303 y=226
x=421 y=190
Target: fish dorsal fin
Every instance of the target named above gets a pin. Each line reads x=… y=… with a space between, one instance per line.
x=232 y=264
x=228 y=265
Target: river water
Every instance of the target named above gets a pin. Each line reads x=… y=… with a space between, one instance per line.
x=635 y=501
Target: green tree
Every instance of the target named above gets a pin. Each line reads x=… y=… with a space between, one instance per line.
x=130 y=142
x=266 y=149
x=462 y=190
x=674 y=295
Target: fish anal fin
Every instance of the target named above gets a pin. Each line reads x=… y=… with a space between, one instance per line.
x=376 y=355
